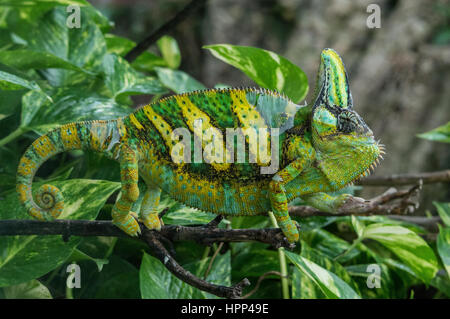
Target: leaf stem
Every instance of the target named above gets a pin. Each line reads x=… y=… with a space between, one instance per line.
x=203 y=260
x=15 y=134
x=349 y=249
x=283 y=264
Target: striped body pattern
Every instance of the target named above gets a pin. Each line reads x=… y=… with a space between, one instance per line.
x=237 y=151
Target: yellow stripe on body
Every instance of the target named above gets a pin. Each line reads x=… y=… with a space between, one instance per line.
x=69 y=136
x=26 y=166
x=251 y=121
x=44 y=146
x=136 y=122
x=22 y=189
x=164 y=128
x=192 y=113
x=97 y=134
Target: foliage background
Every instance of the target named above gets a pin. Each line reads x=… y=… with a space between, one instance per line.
x=50 y=74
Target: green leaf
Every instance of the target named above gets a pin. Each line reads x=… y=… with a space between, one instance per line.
x=327 y=263
x=28 y=257
x=27 y=290
x=178 y=81
x=329 y=244
x=331 y=285
x=122 y=79
x=443 y=210
x=170 y=51
x=69 y=104
x=179 y=214
x=219 y=274
x=303 y=287
x=157 y=282
x=27 y=3
x=118 y=45
x=10 y=81
x=188 y=216
x=442 y=284
x=439 y=134
x=443 y=247
x=253 y=261
x=410 y=248
x=146 y=62
x=388 y=289
x=78 y=255
x=27 y=59
x=358 y=226
x=266 y=68
x=83 y=47
x=118 y=279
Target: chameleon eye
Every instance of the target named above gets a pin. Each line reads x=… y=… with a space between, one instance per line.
x=347 y=122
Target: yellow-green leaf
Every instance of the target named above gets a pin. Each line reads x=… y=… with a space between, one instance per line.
x=178 y=81
x=266 y=68
x=27 y=290
x=331 y=285
x=443 y=210
x=170 y=51
x=439 y=134
x=25 y=258
x=409 y=247
x=443 y=247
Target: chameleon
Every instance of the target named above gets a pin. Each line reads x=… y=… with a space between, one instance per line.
x=323 y=146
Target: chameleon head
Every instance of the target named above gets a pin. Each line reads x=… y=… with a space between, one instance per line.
x=345 y=146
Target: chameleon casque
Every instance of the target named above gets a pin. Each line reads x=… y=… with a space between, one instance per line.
x=323 y=147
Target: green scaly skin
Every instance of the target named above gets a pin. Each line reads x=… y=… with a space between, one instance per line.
x=323 y=147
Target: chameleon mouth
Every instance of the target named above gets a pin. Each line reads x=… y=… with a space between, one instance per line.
x=371 y=168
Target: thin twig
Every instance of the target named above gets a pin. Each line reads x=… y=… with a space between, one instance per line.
x=163 y=255
x=407 y=179
x=212 y=259
x=260 y=279
x=162 y=30
x=408 y=202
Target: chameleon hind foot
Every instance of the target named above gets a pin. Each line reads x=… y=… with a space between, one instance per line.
x=152 y=222
x=127 y=223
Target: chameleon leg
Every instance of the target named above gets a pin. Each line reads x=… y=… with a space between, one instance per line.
x=121 y=215
x=277 y=196
x=325 y=202
x=149 y=213
x=328 y=203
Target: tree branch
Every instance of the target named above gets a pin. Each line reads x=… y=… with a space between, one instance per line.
x=162 y=30
x=200 y=234
x=209 y=233
x=407 y=179
x=163 y=255
x=407 y=203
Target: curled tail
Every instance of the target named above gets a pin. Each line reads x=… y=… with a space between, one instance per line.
x=99 y=136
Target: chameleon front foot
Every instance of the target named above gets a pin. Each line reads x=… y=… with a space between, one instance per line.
x=128 y=224
x=290 y=230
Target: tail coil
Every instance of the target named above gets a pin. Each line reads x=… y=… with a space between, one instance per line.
x=99 y=136
x=49 y=199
